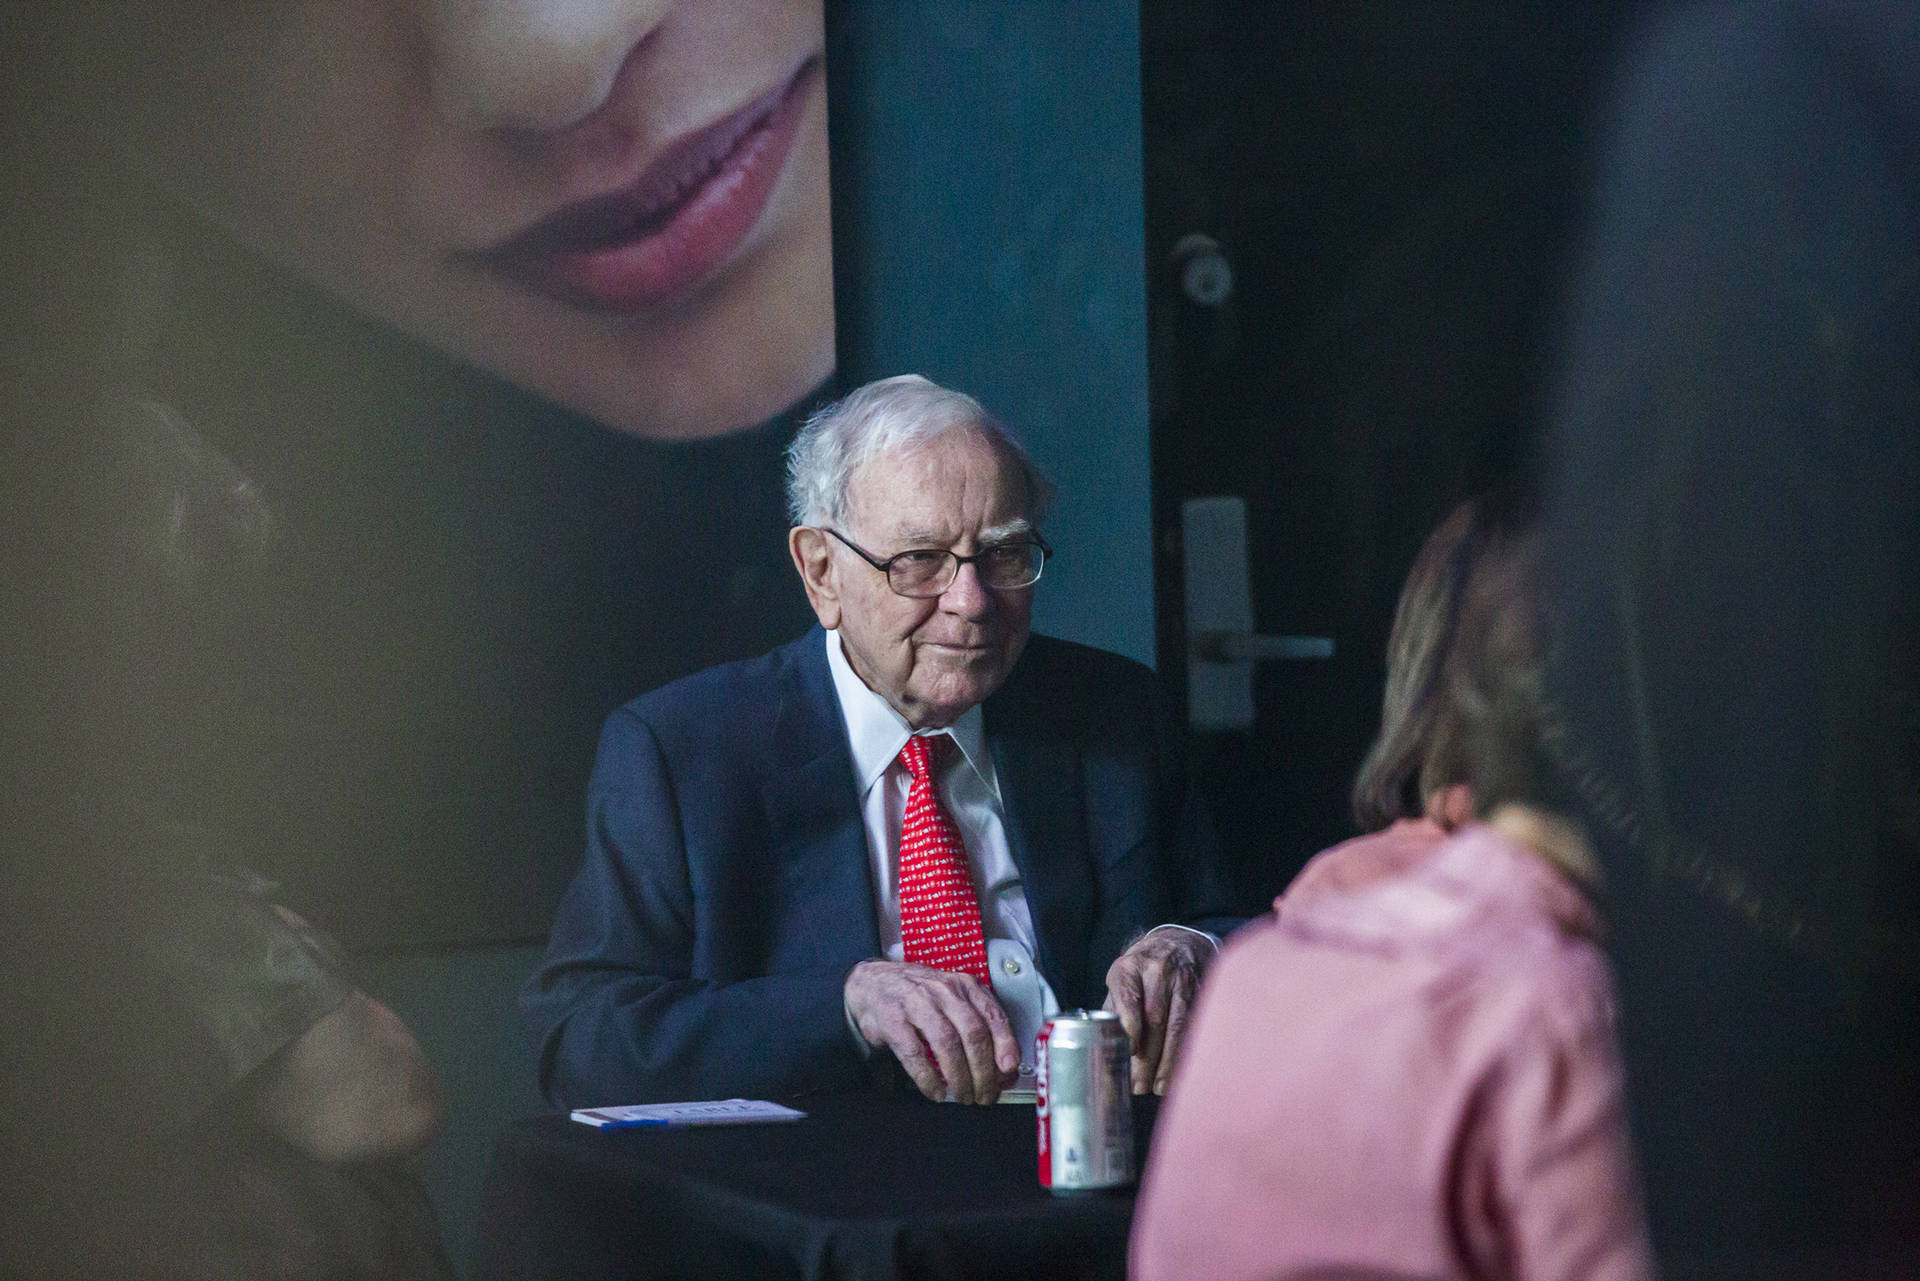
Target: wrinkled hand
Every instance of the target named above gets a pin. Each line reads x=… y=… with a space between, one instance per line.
x=1151 y=987
x=947 y=1030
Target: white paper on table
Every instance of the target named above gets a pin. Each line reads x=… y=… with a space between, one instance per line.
x=705 y=1112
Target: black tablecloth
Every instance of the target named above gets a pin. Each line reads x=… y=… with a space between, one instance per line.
x=867 y=1186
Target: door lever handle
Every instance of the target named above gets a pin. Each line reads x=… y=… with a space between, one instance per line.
x=1222 y=646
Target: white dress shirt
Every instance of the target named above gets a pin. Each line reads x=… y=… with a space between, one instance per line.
x=970 y=792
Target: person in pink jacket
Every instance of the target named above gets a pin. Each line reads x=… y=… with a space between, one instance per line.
x=1411 y=1070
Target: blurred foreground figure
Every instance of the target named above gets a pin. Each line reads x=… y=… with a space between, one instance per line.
x=194 y=1085
x=199 y=1091
x=1412 y=1072
x=1732 y=528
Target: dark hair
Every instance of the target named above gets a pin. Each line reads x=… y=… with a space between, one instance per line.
x=1417 y=753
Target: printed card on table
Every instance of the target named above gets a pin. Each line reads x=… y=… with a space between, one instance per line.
x=705 y=1112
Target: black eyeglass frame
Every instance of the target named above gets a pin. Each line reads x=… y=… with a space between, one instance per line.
x=886 y=566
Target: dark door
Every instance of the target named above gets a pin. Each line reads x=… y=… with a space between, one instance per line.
x=1356 y=219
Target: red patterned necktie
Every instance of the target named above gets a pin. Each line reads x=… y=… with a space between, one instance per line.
x=939 y=915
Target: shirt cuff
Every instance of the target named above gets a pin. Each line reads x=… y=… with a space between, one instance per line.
x=1208 y=935
x=853 y=1030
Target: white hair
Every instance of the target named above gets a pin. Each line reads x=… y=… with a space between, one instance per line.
x=899 y=413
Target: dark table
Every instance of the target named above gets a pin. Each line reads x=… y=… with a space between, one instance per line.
x=870 y=1186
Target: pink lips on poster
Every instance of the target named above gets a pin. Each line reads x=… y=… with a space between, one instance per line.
x=676 y=223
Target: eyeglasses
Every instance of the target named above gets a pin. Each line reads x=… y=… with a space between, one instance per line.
x=929 y=571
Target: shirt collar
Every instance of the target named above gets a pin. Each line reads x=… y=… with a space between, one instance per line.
x=1477 y=872
x=876 y=733
x=1498 y=867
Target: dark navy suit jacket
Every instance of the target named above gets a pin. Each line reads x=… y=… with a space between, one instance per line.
x=727 y=890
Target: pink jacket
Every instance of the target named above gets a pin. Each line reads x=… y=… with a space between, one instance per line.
x=1410 y=1073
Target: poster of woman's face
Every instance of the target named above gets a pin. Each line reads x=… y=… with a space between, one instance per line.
x=620 y=204
x=485 y=323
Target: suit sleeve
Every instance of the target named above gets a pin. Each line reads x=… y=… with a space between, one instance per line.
x=1157 y=859
x=1202 y=889
x=624 y=1007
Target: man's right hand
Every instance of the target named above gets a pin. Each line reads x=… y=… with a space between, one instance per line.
x=947 y=1030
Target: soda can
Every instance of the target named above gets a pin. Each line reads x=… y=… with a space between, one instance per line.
x=1084 y=1103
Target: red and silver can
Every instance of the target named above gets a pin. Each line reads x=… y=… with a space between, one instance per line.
x=1084 y=1102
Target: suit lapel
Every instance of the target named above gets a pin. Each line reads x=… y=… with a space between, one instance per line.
x=813 y=811
x=1040 y=789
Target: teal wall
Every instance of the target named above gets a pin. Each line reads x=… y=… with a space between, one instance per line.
x=988 y=228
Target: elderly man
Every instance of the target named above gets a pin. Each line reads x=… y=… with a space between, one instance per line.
x=908 y=835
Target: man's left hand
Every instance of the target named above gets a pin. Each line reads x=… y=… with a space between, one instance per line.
x=1151 y=987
